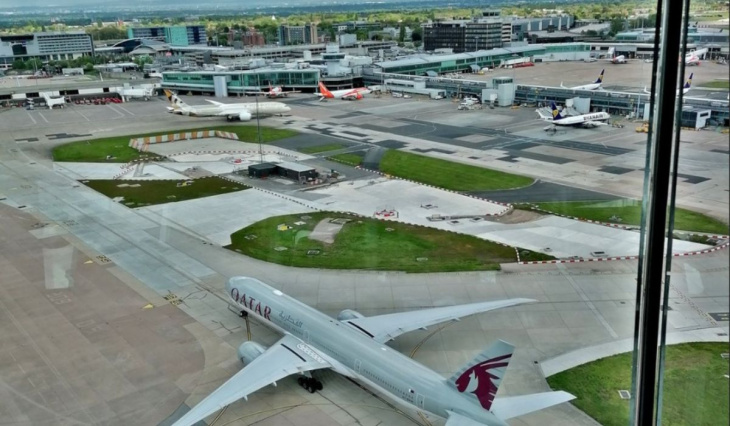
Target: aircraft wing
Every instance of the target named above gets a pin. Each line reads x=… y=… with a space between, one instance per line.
x=590 y=124
x=286 y=357
x=216 y=103
x=512 y=406
x=383 y=328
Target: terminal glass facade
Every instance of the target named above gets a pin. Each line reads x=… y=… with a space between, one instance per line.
x=238 y=81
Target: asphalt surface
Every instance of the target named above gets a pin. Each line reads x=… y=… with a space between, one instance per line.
x=544 y=191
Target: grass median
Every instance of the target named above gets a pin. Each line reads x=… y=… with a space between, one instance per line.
x=448 y=174
x=441 y=173
x=365 y=243
x=718 y=84
x=150 y=192
x=97 y=150
x=629 y=213
x=695 y=386
x=353 y=158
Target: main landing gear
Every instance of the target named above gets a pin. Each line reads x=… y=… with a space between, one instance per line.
x=310 y=384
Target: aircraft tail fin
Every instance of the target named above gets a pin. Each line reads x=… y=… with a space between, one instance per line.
x=324 y=91
x=482 y=376
x=555 y=112
x=688 y=83
x=600 y=77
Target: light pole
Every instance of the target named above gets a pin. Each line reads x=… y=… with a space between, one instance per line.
x=258 y=120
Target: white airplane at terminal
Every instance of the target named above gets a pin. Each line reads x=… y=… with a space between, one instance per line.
x=54 y=101
x=347 y=94
x=354 y=345
x=591 y=120
x=693 y=57
x=275 y=92
x=687 y=86
x=620 y=59
x=237 y=111
x=593 y=86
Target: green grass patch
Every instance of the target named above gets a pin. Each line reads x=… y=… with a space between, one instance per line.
x=695 y=389
x=354 y=158
x=162 y=191
x=719 y=84
x=321 y=148
x=97 y=150
x=365 y=243
x=448 y=174
x=629 y=213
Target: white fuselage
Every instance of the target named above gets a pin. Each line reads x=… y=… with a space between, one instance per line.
x=261 y=109
x=592 y=86
x=349 y=92
x=355 y=354
x=582 y=119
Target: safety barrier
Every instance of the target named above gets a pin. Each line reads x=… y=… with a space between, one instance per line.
x=143 y=143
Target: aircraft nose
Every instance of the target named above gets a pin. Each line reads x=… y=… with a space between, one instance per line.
x=229 y=285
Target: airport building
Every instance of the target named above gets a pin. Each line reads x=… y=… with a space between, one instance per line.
x=240 y=82
x=474 y=61
x=297 y=34
x=45 y=46
x=175 y=36
x=487 y=32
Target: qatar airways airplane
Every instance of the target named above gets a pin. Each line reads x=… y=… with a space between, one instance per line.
x=354 y=346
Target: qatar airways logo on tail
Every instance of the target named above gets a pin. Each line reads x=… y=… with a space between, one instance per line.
x=479 y=381
x=251 y=303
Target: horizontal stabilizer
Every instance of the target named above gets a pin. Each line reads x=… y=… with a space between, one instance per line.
x=383 y=328
x=512 y=406
x=456 y=419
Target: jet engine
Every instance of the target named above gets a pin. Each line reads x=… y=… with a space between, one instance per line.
x=244 y=116
x=249 y=351
x=349 y=314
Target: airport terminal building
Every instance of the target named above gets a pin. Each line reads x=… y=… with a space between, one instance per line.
x=241 y=81
x=46 y=46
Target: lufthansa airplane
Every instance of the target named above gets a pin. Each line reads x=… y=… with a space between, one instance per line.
x=355 y=346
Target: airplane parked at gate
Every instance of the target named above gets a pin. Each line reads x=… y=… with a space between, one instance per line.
x=275 y=92
x=591 y=120
x=53 y=101
x=240 y=111
x=685 y=88
x=354 y=346
x=693 y=57
x=347 y=94
x=620 y=59
x=593 y=86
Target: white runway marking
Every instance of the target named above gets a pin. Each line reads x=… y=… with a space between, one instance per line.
x=79 y=113
x=43 y=117
x=119 y=114
x=31 y=117
x=126 y=110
